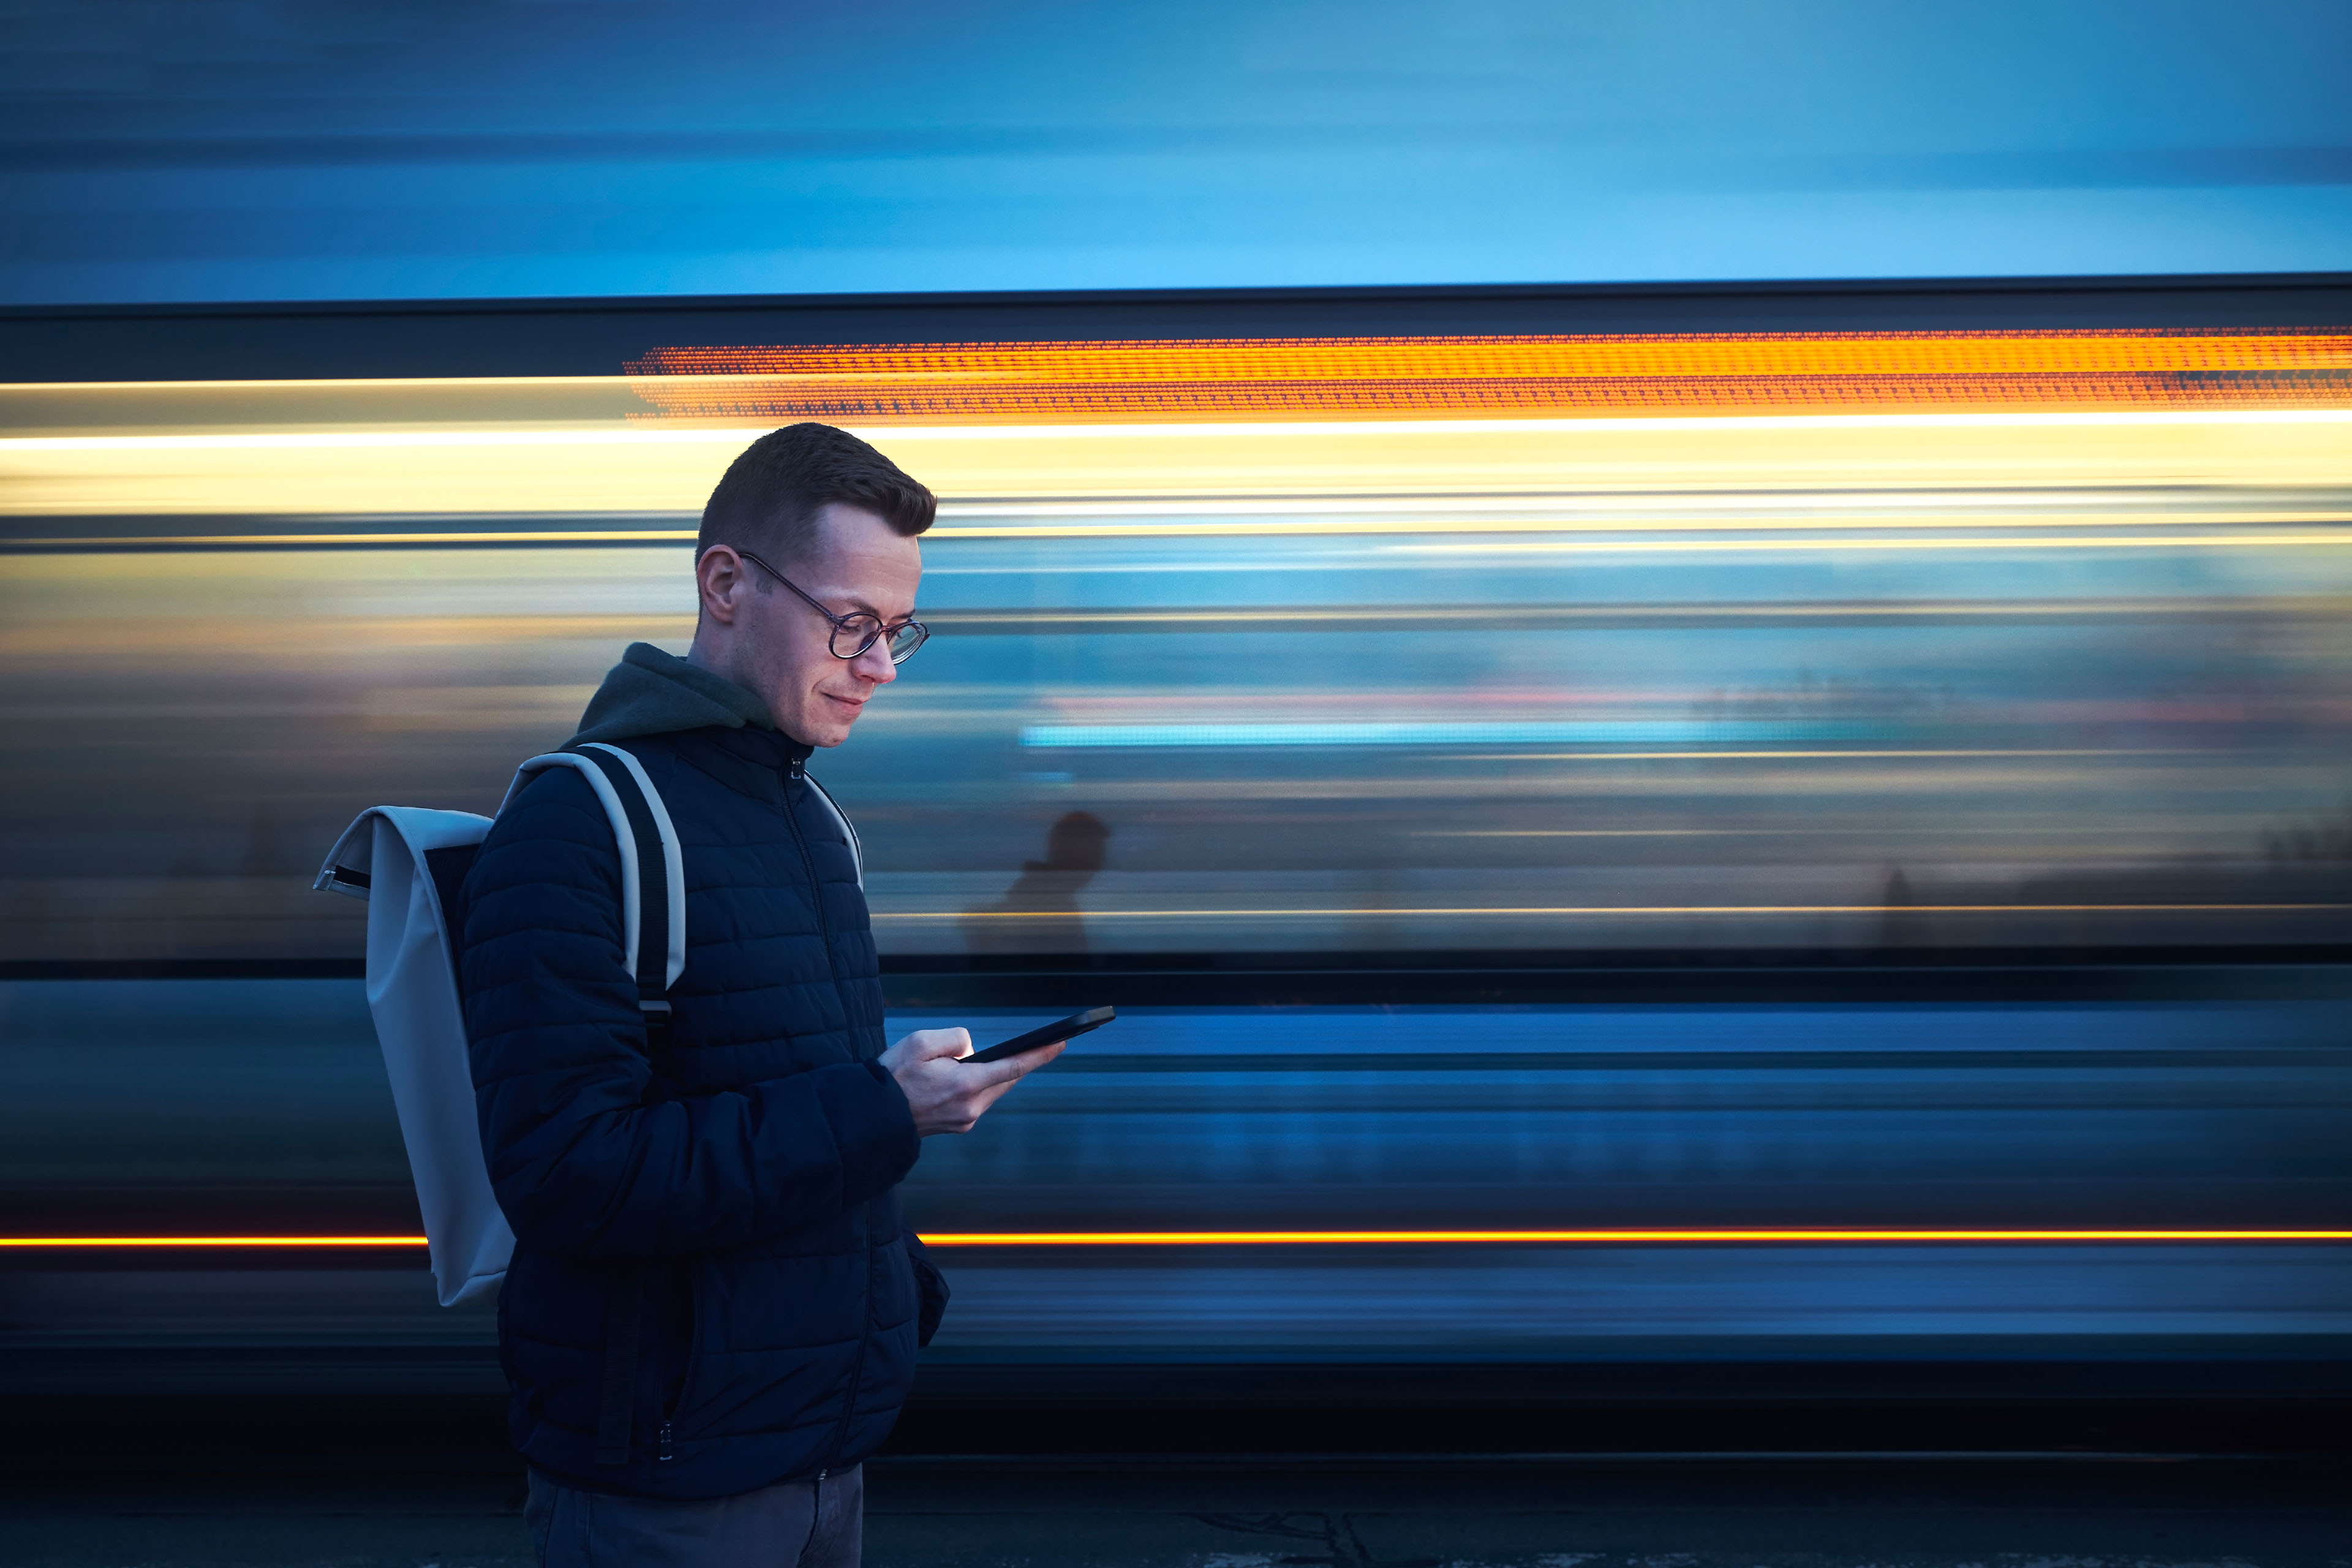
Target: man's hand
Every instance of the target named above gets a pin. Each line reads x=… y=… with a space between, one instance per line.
x=946 y=1095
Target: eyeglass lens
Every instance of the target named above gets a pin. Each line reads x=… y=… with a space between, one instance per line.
x=855 y=635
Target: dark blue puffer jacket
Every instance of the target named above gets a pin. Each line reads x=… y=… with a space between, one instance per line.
x=745 y=1177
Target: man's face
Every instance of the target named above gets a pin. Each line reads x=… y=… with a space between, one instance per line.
x=784 y=649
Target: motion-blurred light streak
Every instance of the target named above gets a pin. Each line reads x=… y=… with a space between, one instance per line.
x=1824 y=1236
x=1386 y=378
x=1497 y=536
x=612 y=469
x=1837 y=639
x=1588 y=732
x=1537 y=912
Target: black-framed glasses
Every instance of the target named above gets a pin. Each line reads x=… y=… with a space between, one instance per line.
x=860 y=628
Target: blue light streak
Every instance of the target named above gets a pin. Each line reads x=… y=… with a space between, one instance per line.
x=1547 y=733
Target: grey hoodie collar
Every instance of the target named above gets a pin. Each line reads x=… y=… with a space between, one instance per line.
x=651 y=692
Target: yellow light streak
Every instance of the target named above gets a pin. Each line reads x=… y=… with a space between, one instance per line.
x=1586 y=1237
x=1660 y=1236
x=326 y=540
x=324 y=383
x=610 y=467
x=370 y=441
x=1774 y=527
x=642 y=435
x=99 y=1242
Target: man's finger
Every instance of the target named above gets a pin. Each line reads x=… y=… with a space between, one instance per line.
x=987 y=1094
x=989 y=1074
x=945 y=1042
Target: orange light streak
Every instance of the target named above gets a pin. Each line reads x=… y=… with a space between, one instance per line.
x=1670 y=1236
x=1604 y=1237
x=101 y=1242
x=1184 y=379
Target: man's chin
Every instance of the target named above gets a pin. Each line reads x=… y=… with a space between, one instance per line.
x=821 y=732
x=829 y=729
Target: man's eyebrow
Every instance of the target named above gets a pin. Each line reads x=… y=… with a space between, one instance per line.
x=857 y=604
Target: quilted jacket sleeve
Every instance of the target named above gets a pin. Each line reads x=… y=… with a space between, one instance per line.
x=582 y=1164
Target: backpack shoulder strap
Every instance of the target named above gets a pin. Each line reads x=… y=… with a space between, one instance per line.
x=652 y=865
x=662 y=918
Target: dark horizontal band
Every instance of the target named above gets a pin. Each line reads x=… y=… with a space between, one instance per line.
x=1498 y=977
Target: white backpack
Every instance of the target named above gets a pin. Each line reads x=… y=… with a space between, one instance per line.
x=407 y=863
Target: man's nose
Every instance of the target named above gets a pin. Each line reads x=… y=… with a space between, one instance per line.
x=875 y=663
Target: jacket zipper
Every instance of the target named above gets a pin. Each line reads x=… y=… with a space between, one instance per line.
x=864 y=1226
x=817 y=889
x=663 y=1451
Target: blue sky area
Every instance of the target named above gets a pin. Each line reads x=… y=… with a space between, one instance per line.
x=204 y=151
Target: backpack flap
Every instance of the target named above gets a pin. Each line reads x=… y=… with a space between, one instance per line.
x=412 y=990
x=346 y=867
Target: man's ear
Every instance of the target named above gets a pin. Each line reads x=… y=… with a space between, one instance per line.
x=721 y=582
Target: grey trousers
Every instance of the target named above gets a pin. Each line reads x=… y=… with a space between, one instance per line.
x=793 y=1524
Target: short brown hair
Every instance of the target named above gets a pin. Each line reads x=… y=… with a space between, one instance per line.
x=768 y=499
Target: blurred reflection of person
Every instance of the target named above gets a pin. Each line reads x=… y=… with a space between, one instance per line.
x=712 y=1311
x=1040 y=912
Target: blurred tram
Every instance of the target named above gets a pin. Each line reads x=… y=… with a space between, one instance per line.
x=1798 y=829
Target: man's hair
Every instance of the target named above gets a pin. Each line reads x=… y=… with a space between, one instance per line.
x=768 y=499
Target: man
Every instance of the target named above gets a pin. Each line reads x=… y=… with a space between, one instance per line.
x=728 y=1190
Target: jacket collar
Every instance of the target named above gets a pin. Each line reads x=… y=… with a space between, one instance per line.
x=765 y=748
x=756 y=763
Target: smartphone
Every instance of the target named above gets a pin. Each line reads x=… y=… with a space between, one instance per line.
x=1069 y=1028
